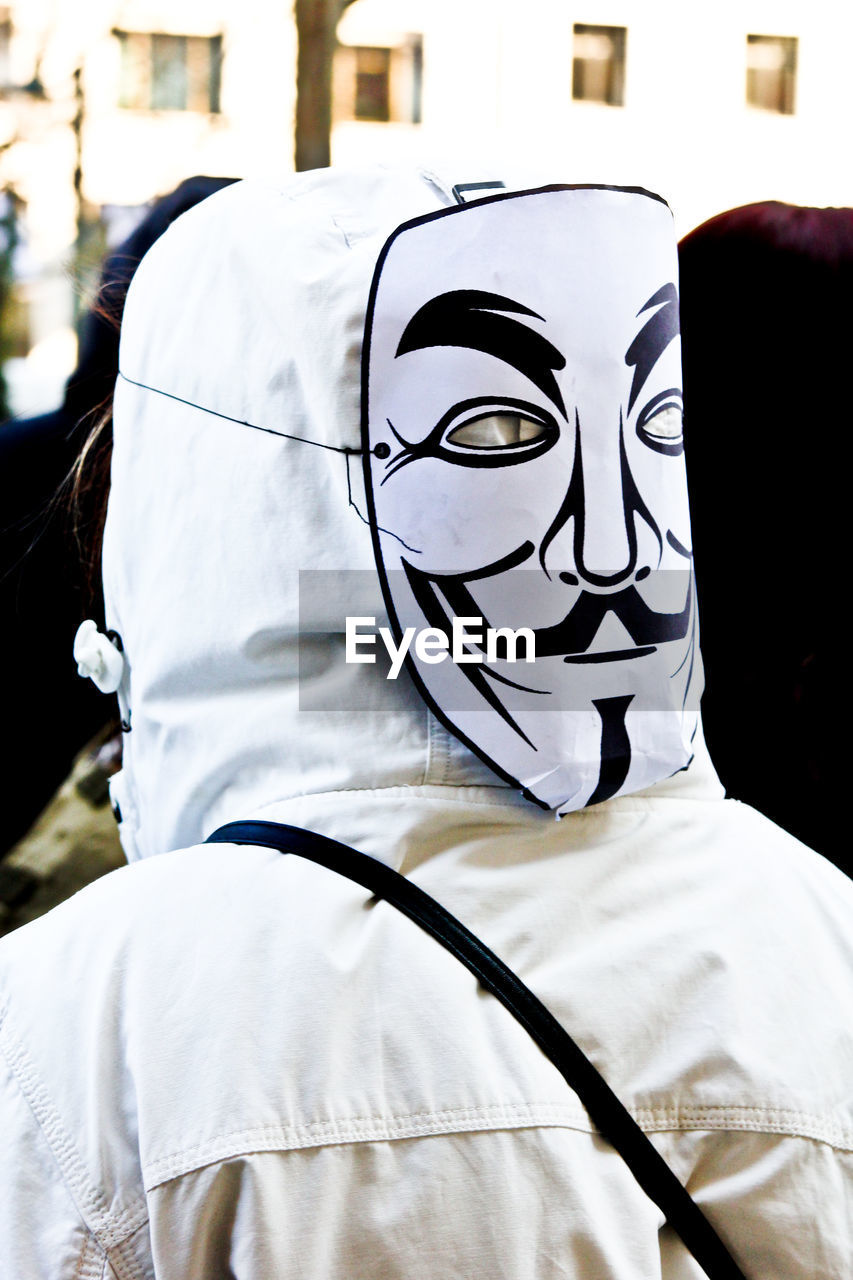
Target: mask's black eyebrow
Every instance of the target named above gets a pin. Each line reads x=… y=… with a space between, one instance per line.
x=654 y=337
x=466 y=318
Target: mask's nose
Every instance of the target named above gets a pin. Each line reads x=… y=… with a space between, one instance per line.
x=593 y=538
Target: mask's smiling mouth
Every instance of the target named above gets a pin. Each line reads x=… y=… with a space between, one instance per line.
x=614 y=655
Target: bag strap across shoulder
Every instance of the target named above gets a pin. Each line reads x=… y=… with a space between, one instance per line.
x=611 y=1118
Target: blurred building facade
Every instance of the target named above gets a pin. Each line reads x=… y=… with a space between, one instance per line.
x=107 y=103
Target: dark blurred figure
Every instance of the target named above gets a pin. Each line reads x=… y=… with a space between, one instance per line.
x=766 y=301
x=49 y=714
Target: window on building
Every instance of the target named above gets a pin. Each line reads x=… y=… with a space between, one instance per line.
x=379 y=83
x=372 y=84
x=169 y=73
x=5 y=45
x=598 y=64
x=771 y=72
x=169 y=80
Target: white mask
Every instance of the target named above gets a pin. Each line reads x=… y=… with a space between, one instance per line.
x=524 y=465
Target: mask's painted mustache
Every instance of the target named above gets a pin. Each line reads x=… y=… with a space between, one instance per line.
x=571 y=637
x=645 y=625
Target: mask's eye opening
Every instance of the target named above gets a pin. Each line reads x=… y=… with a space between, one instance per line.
x=667 y=423
x=497 y=431
x=661 y=423
x=488 y=433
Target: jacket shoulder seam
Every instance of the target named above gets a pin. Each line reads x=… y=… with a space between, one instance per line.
x=351 y=1130
x=108 y=1229
x=784 y=1121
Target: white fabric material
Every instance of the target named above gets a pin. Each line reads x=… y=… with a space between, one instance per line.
x=221 y=1062
x=223 y=1058
x=260 y=303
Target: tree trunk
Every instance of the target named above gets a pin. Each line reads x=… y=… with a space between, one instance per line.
x=316 y=24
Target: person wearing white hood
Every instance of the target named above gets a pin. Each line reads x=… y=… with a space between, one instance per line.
x=222 y=1061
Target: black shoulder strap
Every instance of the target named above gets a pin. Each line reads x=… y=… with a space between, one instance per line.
x=611 y=1118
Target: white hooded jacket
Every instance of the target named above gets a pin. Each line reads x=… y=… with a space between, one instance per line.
x=222 y=1062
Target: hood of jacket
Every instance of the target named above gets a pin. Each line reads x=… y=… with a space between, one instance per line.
x=237 y=531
